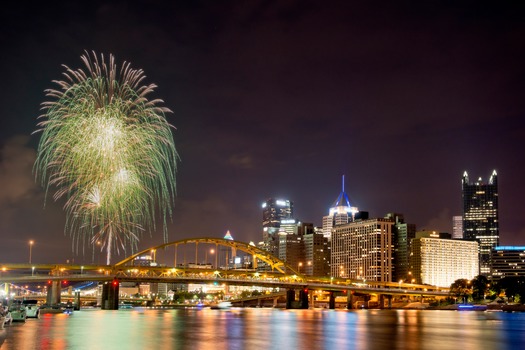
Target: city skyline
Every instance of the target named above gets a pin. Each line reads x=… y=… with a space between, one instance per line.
x=279 y=100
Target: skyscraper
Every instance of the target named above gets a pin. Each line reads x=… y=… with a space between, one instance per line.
x=403 y=235
x=480 y=216
x=341 y=212
x=274 y=211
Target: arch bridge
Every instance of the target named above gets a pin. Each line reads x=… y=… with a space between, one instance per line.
x=259 y=268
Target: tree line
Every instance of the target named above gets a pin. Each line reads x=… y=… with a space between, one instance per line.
x=481 y=288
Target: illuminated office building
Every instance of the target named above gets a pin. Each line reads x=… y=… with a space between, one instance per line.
x=303 y=248
x=363 y=250
x=316 y=254
x=403 y=235
x=508 y=261
x=291 y=250
x=274 y=212
x=480 y=217
x=439 y=262
x=341 y=212
x=291 y=245
x=457 y=227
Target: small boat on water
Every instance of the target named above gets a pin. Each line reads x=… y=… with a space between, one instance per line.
x=32 y=308
x=125 y=306
x=18 y=312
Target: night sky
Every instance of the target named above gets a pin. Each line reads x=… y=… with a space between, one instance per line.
x=280 y=99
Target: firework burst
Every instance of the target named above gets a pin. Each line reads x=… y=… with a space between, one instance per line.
x=109 y=151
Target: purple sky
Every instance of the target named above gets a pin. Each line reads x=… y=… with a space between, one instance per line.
x=280 y=99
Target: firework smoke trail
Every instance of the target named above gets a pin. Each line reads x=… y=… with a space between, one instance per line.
x=109 y=151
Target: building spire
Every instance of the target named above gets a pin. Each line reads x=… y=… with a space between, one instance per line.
x=493 y=177
x=342 y=203
x=342 y=200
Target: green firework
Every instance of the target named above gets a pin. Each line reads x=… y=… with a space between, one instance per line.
x=109 y=151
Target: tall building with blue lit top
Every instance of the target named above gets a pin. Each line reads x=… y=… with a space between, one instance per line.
x=480 y=216
x=341 y=212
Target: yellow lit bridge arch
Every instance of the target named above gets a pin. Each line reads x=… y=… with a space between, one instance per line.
x=257 y=254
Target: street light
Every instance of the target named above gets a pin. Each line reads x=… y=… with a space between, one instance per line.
x=30 y=250
x=32 y=271
x=99 y=249
x=81 y=269
x=299 y=267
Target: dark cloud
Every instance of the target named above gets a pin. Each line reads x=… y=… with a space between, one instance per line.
x=22 y=213
x=243 y=161
x=16 y=164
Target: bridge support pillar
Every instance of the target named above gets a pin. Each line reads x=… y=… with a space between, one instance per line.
x=366 y=300
x=381 y=301
x=331 y=300
x=53 y=293
x=76 y=304
x=303 y=298
x=290 y=298
x=349 y=300
x=389 y=300
x=275 y=300
x=110 y=291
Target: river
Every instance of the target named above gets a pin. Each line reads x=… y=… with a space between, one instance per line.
x=261 y=328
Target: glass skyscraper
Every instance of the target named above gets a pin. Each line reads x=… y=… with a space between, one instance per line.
x=480 y=217
x=274 y=212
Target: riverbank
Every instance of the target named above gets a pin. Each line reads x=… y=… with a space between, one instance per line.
x=489 y=307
